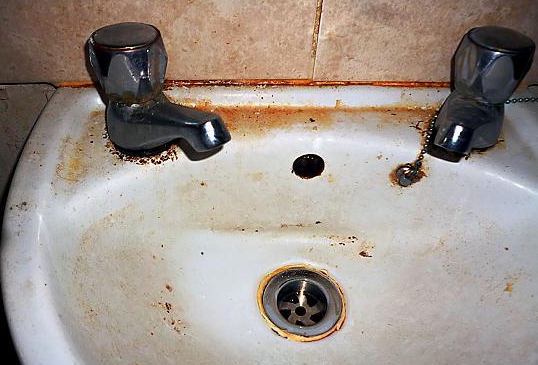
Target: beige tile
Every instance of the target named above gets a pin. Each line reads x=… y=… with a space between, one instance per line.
x=20 y=106
x=408 y=40
x=42 y=40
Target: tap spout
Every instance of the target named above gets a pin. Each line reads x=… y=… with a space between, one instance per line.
x=465 y=123
x=142 y=127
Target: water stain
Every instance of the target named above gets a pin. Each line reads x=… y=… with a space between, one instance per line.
x=76 y=155
x=259 y=120
x=509 y=287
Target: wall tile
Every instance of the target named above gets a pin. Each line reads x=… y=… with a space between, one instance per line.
x=408 y=40
x=20 y=105
x=42 y=40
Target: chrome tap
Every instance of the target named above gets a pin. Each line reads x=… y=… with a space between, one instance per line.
x=487 y=67
x=129 y=61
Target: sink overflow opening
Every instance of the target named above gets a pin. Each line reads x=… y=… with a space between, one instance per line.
x=308 y=166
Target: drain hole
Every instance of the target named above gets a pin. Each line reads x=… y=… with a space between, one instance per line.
x=303 y=302
x=308 y=166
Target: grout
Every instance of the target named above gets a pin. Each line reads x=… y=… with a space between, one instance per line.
x=315 y=37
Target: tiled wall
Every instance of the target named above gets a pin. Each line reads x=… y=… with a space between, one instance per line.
x=361 y=40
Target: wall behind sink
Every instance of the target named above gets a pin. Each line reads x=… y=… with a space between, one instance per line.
x=362 y=40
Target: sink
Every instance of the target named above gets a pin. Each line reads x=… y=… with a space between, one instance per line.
x=113 y=259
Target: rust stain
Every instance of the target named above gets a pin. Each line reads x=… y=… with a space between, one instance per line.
x=256 y=120
x=176 y=324
x=257 y=176
x=169 y=153
x=275 y=82
x=500 y=144
x=242 y=121
x=297 y=225
x=75 y=155
x=342 y=240
x=72 y=167
x=364 y=247
x=286 y=334
x=169 y=288
x=434 y=248
x=304 y=82
x=393 y=177
x=193 y=102
x=75 y=84
x=364 y=254
x=509 y=287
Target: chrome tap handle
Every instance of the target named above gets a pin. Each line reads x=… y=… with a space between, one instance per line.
x=129 y=60
x=490 y=62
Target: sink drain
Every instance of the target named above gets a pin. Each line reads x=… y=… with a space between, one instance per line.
x=301 y=304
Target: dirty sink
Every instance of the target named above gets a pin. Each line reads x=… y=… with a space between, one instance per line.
x=113 y=259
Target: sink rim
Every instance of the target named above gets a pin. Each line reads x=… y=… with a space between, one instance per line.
x=30 y=260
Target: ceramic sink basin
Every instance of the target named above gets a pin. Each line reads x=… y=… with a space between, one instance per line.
x=108 y=259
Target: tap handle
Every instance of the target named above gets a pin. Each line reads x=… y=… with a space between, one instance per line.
x=129 y=60
x=490 y=63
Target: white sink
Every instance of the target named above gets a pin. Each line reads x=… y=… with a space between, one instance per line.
x=112 y=261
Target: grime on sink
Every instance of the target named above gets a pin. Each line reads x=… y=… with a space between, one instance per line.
x=243 y=121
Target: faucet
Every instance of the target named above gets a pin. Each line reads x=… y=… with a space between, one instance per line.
x=487 y=67
x=129 y=61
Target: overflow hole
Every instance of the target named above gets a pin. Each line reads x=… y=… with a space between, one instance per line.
x=308 y=166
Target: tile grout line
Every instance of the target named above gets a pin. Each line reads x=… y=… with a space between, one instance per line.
x=315 y=37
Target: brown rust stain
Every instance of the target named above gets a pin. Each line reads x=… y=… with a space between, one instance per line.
x=295 y=225
x=303 y=82
x=342 y=240
x=275 y=82
x=169 y=153
x=176 y=324
x=435 y=248
x=286 y=334
x=362 y=246
x=241 y=120
x=75 y=154
x=257 y=176
x=509 y=287
x=257 y=120
x=500 y=144
x=393 y=177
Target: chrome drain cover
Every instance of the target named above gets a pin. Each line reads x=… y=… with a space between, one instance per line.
x=301 y=303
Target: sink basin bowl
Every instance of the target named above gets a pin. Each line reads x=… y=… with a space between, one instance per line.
x=109 y=259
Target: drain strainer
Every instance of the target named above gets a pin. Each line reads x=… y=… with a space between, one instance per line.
x=301 y=303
